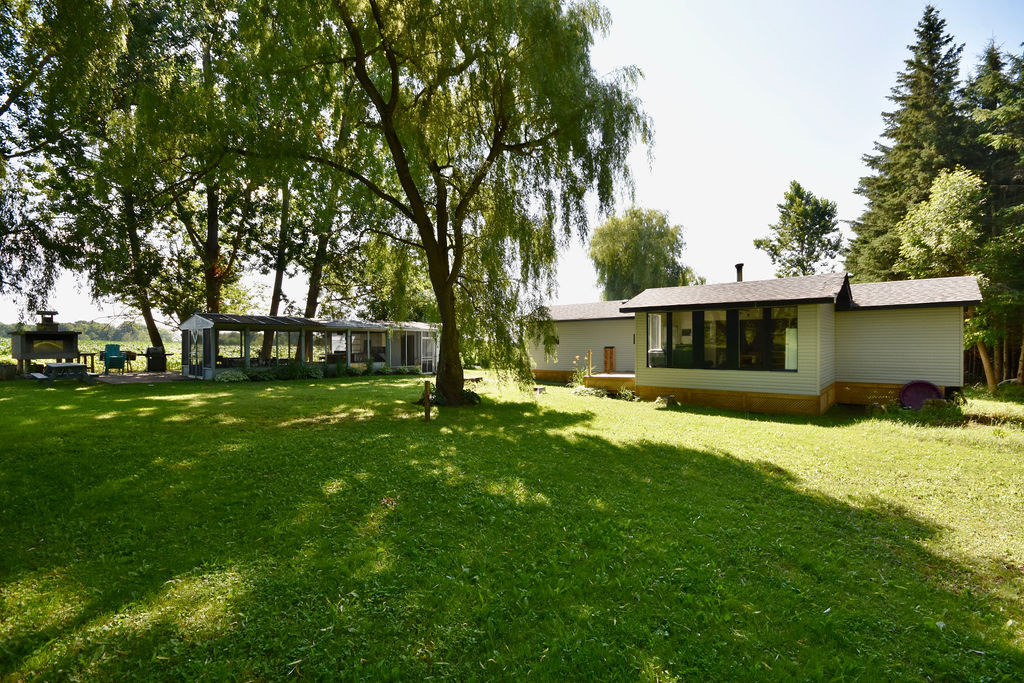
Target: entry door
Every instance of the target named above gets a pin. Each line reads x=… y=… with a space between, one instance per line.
x=427 y=357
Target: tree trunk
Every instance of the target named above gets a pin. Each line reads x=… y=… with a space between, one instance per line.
x=1020 y=361
x=280 y=263
x=450 y=378
x=139 y=281
x=316 y=274
x=211 y=250
x=997 y=361
x=1005 y=374
x=990 y=377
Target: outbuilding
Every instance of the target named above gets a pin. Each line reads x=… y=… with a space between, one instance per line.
x=214 y=342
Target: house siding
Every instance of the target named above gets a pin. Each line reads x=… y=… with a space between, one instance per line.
x=896 y=346
x=805 y=381
x=826 y=346
x=576 y=337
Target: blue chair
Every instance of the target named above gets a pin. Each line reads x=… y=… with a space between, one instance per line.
x=113 y=358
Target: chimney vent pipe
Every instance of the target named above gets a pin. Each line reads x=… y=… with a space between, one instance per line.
x=739 y=272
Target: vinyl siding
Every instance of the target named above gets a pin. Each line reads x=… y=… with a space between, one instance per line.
x=576 y=337
x=899 y=345
x=826 y=345
x=804 y=381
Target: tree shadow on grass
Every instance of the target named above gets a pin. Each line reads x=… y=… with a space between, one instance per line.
x=493 y=542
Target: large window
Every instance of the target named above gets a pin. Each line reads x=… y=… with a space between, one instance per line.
x=682 y=339
x=752 y=336
x=784 y=336
x=731 y=339
x=716 y=340
x=656 y=356
x=378 y=346
x=359 y=347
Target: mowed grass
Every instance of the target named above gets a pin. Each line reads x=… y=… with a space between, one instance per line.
x=323 y=530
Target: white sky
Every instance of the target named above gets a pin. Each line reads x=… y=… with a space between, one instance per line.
x=745 y=96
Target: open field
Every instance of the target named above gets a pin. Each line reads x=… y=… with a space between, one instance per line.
x=95 y=346
x=322 y=529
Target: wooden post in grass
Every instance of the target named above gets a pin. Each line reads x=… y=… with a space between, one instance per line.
x=590 y=362
x=426 y=400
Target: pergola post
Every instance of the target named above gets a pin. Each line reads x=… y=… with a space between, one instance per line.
x=348 y=347
x=245 y=348
x=387 y=348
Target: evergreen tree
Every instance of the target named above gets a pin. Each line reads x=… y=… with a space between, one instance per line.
x=997 y=94
x=924 y=134
x=806 y=237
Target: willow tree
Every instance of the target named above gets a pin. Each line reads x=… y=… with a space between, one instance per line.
x=481 y=125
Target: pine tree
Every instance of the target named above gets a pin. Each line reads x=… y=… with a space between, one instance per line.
x=924 y=134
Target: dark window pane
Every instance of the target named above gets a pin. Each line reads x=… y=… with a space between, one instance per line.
x=715 y=339
x=656 y=333
x=784 y=338
x=751 y=343
x=682 y=339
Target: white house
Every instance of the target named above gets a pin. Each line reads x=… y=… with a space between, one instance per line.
x=795 y=345
x=600 y=328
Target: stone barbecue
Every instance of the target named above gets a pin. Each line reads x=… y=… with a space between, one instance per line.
x=45 y=342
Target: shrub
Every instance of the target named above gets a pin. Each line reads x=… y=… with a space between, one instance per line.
x=297 y=370
x=1011 y=392
x=232 y=375
x=627 y=394
x=261 y=374
x=581 y=390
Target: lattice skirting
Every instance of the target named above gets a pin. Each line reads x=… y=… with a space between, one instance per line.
x=754 y=402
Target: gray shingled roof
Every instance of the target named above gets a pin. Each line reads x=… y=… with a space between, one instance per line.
x=599 y=310
x=938 y=291
x=259 y=320
x=806 y=289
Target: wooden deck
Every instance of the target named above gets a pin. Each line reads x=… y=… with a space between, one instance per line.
x=611 y=381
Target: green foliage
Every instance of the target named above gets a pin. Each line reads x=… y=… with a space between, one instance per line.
x=627 y=394
x=637 y=251
x=233 y=375
x=806 y=238
x=925 y=133
x=482 y=135
x=580 y=372
x=942 y=235
x=234 y=530
x=581 y=390
x=298 y=370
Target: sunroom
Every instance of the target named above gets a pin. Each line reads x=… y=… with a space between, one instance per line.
x=214 y=342
x=764 y=345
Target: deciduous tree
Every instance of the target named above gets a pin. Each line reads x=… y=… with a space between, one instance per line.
x=806 y=238
x=482 y=125
x=638 y=250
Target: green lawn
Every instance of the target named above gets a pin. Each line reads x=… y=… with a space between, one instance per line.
x=267 y=530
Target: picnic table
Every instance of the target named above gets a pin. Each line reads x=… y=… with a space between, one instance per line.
x=55 y=371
